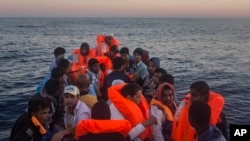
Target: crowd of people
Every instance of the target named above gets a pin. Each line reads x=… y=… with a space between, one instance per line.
x=104 y=93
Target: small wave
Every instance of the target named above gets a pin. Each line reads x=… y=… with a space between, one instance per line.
x=29 y=26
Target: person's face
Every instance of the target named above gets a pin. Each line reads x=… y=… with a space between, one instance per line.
x=167 y=96
x=136 y=98
x=43 y=115
x=125 y=57
x=70 y=100
x=95 y=68
x=151 y=67
x=84 y=51
x=157 y=77
x=137 y=57
x=196 y=96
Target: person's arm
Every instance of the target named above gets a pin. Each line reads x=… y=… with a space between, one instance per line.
x=157 y=129
x=222 y=125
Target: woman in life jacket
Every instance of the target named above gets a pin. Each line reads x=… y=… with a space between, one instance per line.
x=163 y=107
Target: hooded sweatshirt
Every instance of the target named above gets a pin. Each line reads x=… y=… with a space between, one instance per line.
x=211 y=134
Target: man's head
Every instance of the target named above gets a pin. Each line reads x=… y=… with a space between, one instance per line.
x=52 y=87
x=199 y=115
x=71 y=96
x=124 y=52
x=153 y=64
x=108 y=40
x=82 y=82
x=113 y=50
x=199 y=91
x=132 y=91
x=167 y=94
x=118 y=63
x=59 y=51
x=58 y=73
x=64 y=63
x=167 y=78
x=94 y=65
x=137 y=55
x=100 y=111
x=39 y=108
x=84 y=49
x=160 y=72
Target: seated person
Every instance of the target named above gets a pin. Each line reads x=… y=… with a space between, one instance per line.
x=100 y=126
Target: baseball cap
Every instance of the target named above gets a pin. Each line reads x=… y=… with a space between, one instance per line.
x=71 y=89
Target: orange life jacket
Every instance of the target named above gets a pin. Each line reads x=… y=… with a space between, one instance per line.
x=75 y=71
x=107 y=63
x=182 y=130
x=102 y=126
x=132 y=112
x=102 y=47
x=166 y=110
x=78 y=59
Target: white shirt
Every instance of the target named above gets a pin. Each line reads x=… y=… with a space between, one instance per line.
x=81 y=112
x=135 y=131
x=157 y=129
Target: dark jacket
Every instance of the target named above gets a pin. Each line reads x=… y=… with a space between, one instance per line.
x=25 y=130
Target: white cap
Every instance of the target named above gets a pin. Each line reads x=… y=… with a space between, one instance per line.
x=117 y=81
x=71 y=89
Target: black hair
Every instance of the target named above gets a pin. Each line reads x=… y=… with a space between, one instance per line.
x=167 y=78
x=130 y=89
x=36 y=104
x=92 y=62
x=200 y=113
x=100 y=111
x=85 y=45
x=64 y=63
x=57 y=72
x=117 y=62
x=59 y=51
x=124 y=50
x=161 y=70
x=202 y=88
x=51 y=86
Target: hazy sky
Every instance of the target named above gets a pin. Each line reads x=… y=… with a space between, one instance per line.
x=125 y=8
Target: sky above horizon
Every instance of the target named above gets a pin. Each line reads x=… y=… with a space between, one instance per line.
x=125 y=8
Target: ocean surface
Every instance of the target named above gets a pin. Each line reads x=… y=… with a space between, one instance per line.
x=214 y=50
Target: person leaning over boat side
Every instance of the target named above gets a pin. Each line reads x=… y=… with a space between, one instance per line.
x=101 y=127
x=82 y=55
x=117 y=73
x=82 y=84
x=163 y=108
x=58 y=52
x=75 y=111
x=199 y=91
x=33 y=125
x=140 y=69
x=148 y=83
x=128 y=103
x=199 y=115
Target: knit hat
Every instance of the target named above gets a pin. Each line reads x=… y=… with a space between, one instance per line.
x=71 y=89
x=138 y=50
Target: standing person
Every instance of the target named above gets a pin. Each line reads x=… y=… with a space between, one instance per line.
x=75 y=111
x=82 y=84
x=101 y=127
x=82 y=55
x=148 y=85
x=163 y=107
x=117 y=73
x=128 y=103
x=33 y=125
x=199 y=118
x=140 y=69
x=58 y=53
x=199 y=91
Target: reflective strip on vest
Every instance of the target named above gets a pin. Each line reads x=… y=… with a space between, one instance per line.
x=75 y=58
x=104 y=50
x=179 y=109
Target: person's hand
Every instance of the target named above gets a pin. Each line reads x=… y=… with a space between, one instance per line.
x=58 y=136
x=136 y=76
x=150 y=121
x=97 y=91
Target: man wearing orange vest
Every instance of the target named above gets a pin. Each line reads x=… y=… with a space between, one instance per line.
x=128 y=103
x=82 y=55
x=199 y=91
x=104 y=44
